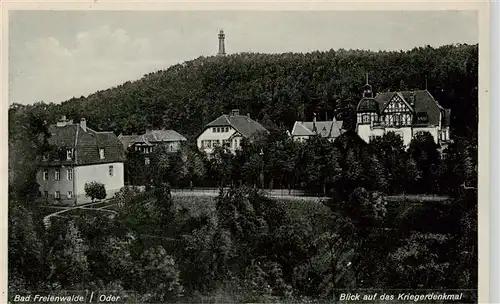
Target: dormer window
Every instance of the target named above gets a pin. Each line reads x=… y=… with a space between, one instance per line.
x=101 y=153
x=69 y=154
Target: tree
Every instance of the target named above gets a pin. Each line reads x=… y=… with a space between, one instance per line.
x=390 y=151
x=159 y=276
x=165 y=166
x=192 y=167
x=25 y=250
x=424 y=151
x=67 y=256
x=221 y=165
x=28 y=141
x=95 y=190
x=419 y=263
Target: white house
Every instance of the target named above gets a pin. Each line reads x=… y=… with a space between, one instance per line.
x=303 y=130
x=82 y=155
x=405 y=112
x=228 y=130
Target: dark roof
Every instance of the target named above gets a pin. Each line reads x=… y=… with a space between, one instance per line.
x=424 y=102
x=156 y=136
x=241 y=123
x=323 y=128
x=86 y=144
x=367 y=104
x=126 y=140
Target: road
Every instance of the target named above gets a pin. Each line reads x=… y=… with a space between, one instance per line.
x=46 y=219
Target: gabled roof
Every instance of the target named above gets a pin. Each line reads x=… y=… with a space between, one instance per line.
x=157 y=136
x=126 y=140
x=241 y=123
x=86 y=144
x=329 y=129
x=424 y=103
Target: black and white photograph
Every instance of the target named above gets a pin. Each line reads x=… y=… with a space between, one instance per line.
x=244 y=156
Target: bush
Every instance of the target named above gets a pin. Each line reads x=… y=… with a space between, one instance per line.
x=126 y=195
x=95 y=190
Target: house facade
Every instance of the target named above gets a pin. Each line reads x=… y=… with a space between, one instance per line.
x=228 y=130
x=405 y=113
x=303 y=130
x=81 y=155
x=147 y=141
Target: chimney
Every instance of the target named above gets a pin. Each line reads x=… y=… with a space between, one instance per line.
x=83 y=124
x=412 y=98
x=235 y=112
x=248 y=115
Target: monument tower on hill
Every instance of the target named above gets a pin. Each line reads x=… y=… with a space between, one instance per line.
x=222 y=47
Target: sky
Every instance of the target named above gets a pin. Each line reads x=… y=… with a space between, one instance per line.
x=55 y=55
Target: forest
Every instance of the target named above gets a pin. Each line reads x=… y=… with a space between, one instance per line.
x=242 y=246
x=278 y=89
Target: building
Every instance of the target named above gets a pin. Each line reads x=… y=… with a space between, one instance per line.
x=126 y=140
x=303 y=130
x=80 y=155
x=228 y=130
x=405 y=112
x=147 y=141
x=222 y=46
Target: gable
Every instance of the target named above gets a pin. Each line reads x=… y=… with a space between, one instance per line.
x=424 y=102
x=300 y=130
x=397 y=103
x=323 y=128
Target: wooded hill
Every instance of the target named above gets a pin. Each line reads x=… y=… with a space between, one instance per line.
x=278 y=89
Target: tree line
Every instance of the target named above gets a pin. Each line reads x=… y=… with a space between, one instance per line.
x=275 y=161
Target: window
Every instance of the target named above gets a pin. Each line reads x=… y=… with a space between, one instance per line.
x=68 y=154
x=444 y=135
x=146 y=161
x=45 y=156
x=214 y=130
x=57 y=175
x=70 y=174
x=57 y=195
x=45 y=174
x=46 y=194
x=366 y=118
x=101 y=153
x=227 y=143
x=111 y=171
x=70 y=194
x=397 y=120
x=227 y=129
